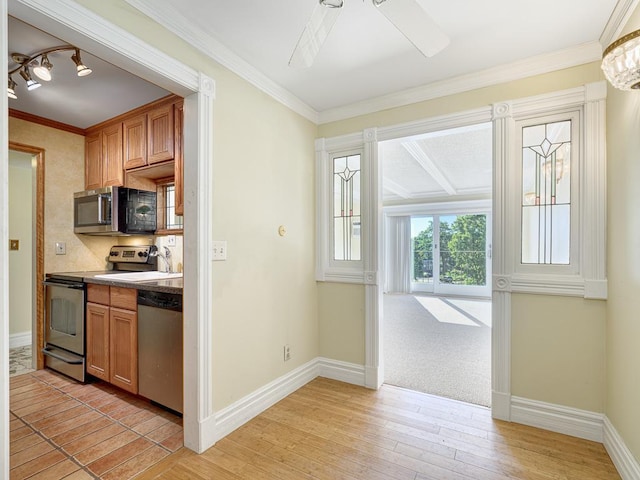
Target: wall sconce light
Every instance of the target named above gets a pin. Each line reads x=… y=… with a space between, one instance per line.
x=621 y=62
x=41 y=66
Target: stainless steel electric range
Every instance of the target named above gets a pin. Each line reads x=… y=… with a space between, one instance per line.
x=64 y=322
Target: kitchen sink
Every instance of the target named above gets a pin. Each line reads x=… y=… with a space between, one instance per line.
x=139 y=276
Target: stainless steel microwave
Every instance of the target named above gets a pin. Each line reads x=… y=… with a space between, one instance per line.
x=114 y=211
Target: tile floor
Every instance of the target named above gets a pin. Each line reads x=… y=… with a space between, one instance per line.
x=20 y=360
x=61 y=429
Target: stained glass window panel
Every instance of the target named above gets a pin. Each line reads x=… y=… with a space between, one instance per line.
x=546 y=193
x=346 y=208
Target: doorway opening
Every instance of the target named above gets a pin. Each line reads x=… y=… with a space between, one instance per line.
x=23 y=172
x=437 y=262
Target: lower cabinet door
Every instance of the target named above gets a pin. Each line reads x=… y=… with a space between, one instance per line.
x=123 y=358
x=97 y=321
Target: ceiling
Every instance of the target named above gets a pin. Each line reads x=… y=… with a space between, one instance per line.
x=365 y=57
x=67 y=98
x=364 y=60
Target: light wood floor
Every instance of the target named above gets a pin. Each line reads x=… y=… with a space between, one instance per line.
x=331 y=430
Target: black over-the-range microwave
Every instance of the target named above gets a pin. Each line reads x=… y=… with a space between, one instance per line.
x=114 y=211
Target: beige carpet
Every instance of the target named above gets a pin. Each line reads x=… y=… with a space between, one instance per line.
x=439 y=345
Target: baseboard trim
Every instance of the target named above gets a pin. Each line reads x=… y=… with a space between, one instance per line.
x=626 y=464
x=19 y=339
x=237 y=414
x=341 y=371
x=557 y=418
x=501 y=406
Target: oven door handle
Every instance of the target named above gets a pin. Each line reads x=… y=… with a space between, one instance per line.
x=73 y=360
x=75 y=286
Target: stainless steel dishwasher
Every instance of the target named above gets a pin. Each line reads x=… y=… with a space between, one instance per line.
x=160 y=348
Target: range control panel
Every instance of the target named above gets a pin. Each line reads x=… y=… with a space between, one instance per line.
x=131 y=254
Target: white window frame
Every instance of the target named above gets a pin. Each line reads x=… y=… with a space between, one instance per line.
x=327 y=268
x=586 y=274
x=334 y=264
x=573 y=268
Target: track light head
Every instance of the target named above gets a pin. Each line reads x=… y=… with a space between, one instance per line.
x=11 y=89
x=82 y=69
x=31 y=83
x=43 y=70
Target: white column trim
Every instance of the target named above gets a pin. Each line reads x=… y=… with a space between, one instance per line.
x=502 y=241
x=372 y=255
x=593 y=195
x=4 y=252
x=198 y=395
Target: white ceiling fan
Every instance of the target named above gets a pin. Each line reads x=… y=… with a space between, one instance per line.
x=408 y=16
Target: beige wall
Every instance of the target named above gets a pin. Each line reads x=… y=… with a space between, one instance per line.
x=20 y=228
x=64 y=174
x=623 y=326
x=566 y=365
x=264 y=295
x=342 y=322
x=558 y=350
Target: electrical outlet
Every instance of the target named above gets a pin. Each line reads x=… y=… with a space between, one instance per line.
x=171 y=240
x=287 y=353
x=219 y=250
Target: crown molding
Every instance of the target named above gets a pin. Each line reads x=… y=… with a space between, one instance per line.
x=619 y=18
x=540 y=64
x=174 y=21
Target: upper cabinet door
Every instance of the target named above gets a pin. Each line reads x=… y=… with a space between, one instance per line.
x=112 y=173
x=135 y=142
x=160 y=145
x=93 y=161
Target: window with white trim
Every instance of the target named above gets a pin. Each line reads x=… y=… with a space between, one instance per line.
x=546 y=193
x=548 y=200
x=347 y=244
x=340 y=189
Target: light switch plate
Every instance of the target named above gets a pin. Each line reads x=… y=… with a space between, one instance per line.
x=14 y=244
x=61 y=248
x=219 y=250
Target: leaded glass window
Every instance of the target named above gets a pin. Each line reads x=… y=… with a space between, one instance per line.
x=546 y=193
x=346 y=207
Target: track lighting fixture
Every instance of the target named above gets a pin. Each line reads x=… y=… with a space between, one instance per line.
x=41 y=65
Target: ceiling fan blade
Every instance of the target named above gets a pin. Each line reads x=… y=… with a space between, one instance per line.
x=314 y=35
x=410 y=18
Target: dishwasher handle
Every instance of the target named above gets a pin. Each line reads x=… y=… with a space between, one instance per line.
x=162 y=300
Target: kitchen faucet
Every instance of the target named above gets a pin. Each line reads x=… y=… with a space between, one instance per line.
x=165 y=257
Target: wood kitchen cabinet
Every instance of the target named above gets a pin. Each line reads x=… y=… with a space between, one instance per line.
x=139 y=149
x=179 y=156
x=112 y=335
x=135 y=142
x=97 y=321
x=103 y=157
x=148 y=137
